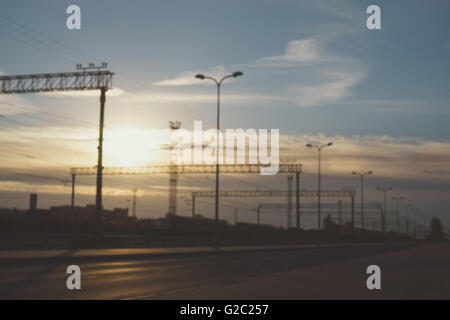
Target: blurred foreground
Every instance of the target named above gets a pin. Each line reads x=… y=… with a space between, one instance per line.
x=315 y=272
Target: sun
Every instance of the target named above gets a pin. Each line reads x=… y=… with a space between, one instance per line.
x=133 y=146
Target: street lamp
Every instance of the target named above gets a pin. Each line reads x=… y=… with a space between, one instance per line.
x=319 y=149
x=219 y=84
x=384 y=190
x=398 y=199
x=362 y=175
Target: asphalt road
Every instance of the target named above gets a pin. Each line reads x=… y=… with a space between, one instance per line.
x=408 y=271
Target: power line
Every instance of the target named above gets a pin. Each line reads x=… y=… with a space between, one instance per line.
x=70 y=49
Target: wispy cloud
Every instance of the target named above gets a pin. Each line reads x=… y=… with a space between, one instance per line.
x=330 y=77
x=401 y=162
x=188 y=78
x=297 y=52
x=321 y=77
x=82 y=93
x=162 y=98
x=388 y=157
x=333 y=87
x=14 y=104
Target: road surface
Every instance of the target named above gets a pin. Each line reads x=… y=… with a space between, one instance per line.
x=407 y=271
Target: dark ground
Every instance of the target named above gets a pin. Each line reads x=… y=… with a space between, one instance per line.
x=408 y=271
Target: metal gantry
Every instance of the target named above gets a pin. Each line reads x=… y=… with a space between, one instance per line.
x=47 y=82
x=184 y=169
x=175 y=170
x=274 y=193
x=88 y=78
x=345 y=193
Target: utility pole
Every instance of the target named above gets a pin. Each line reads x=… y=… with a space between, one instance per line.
x=235 y=216
x=353 y=213
x=340 y=212
x=193 y=206
x=289 y=202
x=72 y=202
x=173 y=175
x=258 y=214
x=134 y=202
x=98 y=202
x=397 y=200
x=383 y=219
x=297 y=198
x=98 y=198
x=362 y=175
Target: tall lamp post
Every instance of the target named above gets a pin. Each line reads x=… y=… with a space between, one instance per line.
x=398 y=199
x=319 y=149
x=219 y=84
x=384 y=190
x=362 y=175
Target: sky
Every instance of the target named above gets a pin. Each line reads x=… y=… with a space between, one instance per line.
x=311 y=69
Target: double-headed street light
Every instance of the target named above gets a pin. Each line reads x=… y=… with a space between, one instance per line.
x=362 y=175
x=384 y=190
x=398 y=199
x=319 y=149
x=219 y=84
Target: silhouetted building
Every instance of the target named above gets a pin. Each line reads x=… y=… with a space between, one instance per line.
x=199 y=222
x=86 y=215
x=10 y=211
x=243 y=226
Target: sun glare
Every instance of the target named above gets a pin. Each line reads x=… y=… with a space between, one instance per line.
x=133 y=146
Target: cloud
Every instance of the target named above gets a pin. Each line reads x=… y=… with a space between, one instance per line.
x=410 y=165
x=321 y=77
x=334 y=87
x=296 y=52
x=389 y=157
x=36 y=147
x=188 y=78
x=399 y=158
x=158 y=99
x=114 y=92
x=325 y=77
x=14 y=104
